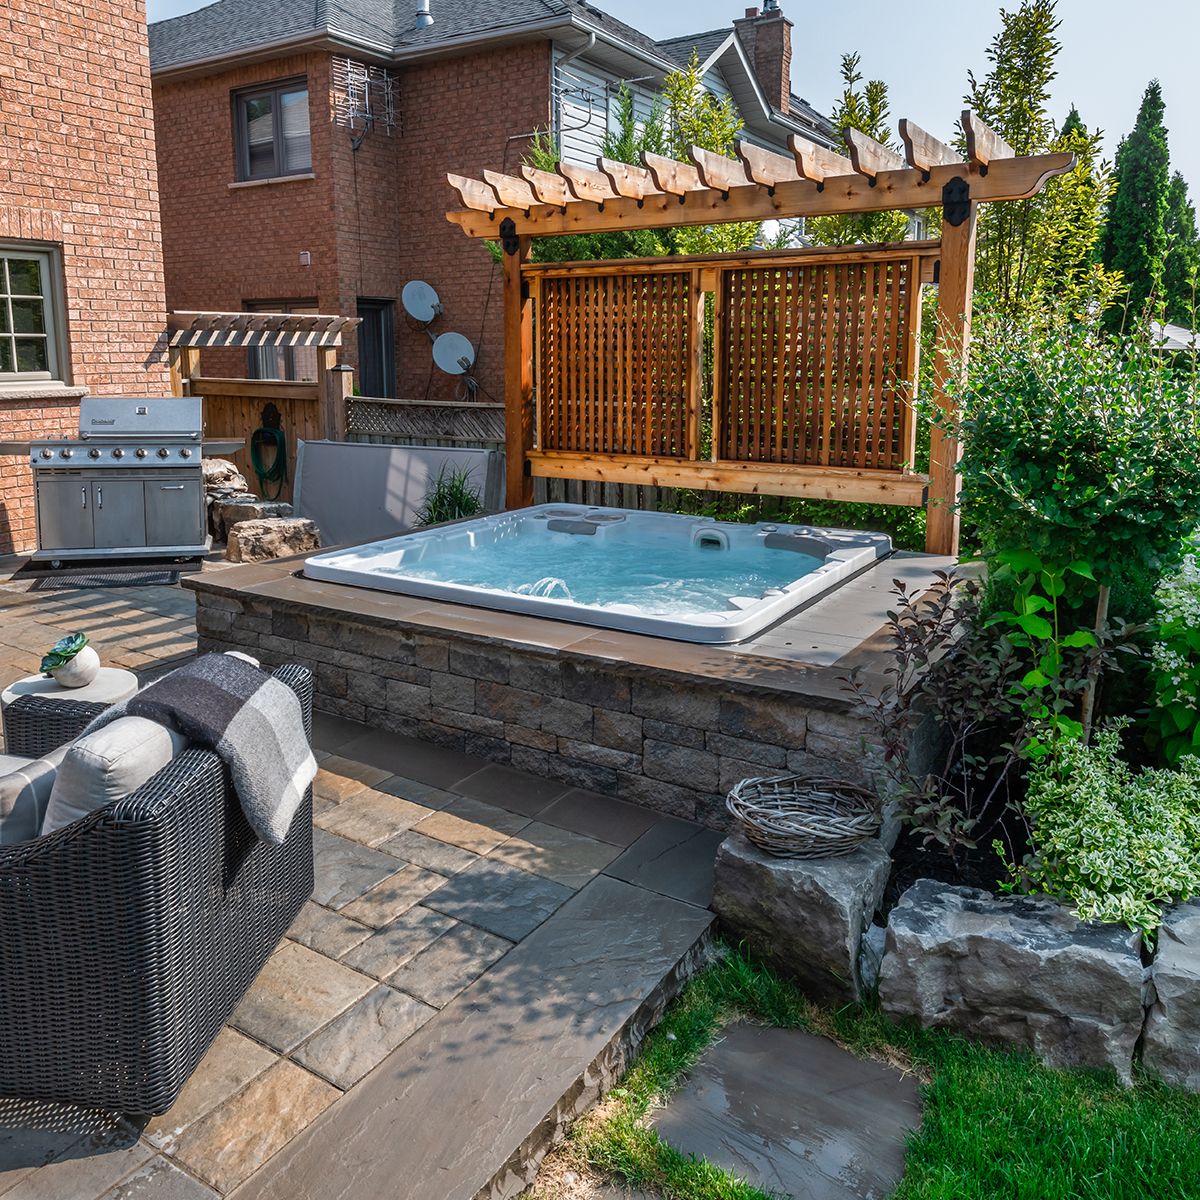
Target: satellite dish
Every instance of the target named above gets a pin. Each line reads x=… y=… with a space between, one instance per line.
x=420 y=301
x=453 y=353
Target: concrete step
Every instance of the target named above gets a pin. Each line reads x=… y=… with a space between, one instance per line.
x=468 y=1105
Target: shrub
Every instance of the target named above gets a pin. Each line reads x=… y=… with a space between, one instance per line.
x=451 y=498
x=1174 y=718
x=1116 y=845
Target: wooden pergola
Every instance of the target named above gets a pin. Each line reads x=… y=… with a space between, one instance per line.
x=815 y=352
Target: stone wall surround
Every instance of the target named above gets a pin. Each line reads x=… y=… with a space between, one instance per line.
x=671 y=743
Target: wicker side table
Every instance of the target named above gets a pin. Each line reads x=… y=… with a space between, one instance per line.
x=111 y=686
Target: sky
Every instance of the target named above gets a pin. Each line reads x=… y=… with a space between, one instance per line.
x=1111 y=50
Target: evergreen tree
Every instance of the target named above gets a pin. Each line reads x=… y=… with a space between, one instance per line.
x=1183 y=255
x=1135 y=238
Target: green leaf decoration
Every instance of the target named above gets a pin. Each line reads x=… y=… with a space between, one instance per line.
x=63 y=651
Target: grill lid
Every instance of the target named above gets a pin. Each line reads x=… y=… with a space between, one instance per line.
x=141 y=417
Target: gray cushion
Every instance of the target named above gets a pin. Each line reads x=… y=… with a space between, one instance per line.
x=107 y=765
x=25 y=786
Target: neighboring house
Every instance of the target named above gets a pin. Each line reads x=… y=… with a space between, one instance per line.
x=81 y=277
x=303 y=147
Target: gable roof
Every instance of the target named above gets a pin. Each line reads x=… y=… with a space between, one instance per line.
x=705 y=45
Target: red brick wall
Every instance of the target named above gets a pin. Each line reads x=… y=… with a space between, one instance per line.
x=77 y=169
x=372 y=219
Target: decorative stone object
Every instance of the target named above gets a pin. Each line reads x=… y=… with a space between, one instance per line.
x=1172 y=1039
x=273 y=537
x=231 y=512
x=71 y=662
x=805 y=917
x=1015 y=971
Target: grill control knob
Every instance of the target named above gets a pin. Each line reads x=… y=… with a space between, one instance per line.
x=163 y=452
x=93 y=453
x=47 y=453
x=66 y=453
x=118 y=453
x=141 y=453
x=185 y=453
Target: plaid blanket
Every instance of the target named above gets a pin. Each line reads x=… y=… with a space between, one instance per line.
x=252 y=721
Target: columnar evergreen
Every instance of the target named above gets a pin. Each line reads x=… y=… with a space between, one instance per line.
x=1183 y=255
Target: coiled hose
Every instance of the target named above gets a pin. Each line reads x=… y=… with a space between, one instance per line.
x=276 y=474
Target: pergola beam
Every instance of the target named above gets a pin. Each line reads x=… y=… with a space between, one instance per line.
x=690 y=203
x=766 y=167
x=871 y=158
x=717 y=171
x=922 y=150
x=815 y=163
x=984 y=145
x=549 y=188
x=513 y=192
x=635 y=183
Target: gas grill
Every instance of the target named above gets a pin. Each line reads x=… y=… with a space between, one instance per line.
x=131 y=484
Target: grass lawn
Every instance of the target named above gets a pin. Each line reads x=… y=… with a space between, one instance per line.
x=996 y=1124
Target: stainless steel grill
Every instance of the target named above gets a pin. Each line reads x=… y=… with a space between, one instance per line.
x=130 y=484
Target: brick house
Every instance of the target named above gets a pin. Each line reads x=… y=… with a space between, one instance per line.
x=278 y=193
x=81 y=275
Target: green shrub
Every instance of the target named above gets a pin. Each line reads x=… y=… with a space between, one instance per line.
x=1175 y=664
x=451 y=498
x=1116 y=845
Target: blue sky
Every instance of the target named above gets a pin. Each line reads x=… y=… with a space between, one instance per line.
x=1112 y=48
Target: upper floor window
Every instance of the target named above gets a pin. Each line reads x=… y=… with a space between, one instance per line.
x=272 y=130
x=29 y=330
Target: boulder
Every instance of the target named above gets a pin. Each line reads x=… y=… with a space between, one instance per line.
x=1172 y=1040
x=221 y=473
x=805 y=917
x=274 y=537
x=230 y=512
x=1015 y=971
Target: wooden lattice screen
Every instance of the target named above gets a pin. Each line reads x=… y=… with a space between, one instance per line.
x=816 y=363
x=616 y=362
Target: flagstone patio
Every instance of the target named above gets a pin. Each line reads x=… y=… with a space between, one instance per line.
x=482 y=951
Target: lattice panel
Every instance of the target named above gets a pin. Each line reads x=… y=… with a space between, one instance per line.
x=615 y=366
x=817 y=363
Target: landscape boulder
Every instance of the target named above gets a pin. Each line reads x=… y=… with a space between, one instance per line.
x=232 y=511
x=806 y=917
x=273 y=537
x=1172 y=1042
x=1015 y=971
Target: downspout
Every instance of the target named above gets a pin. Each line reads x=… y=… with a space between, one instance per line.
x=578 y=52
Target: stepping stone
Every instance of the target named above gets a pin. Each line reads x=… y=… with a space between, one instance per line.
x=371 y=817
x=500 y=1069
x=795 y=1115
x=327 y=932
x=382 y=953
x=394 y=896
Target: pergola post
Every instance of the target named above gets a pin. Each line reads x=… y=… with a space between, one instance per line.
x=184 y=363
x=518 y=373
x=956 y=281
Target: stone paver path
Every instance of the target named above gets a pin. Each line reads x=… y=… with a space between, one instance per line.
x=480 y=949
x=795 y=1115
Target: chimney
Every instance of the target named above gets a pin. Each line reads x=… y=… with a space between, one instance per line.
x=767 y=39
x=424 y=16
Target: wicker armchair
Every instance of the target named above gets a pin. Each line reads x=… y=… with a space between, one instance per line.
x=128 y=938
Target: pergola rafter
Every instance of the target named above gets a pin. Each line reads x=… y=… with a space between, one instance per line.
x=865 y=305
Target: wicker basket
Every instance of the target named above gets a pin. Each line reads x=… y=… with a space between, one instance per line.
x=793 y=816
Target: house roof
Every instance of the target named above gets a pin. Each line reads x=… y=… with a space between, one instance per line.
x=705 y=44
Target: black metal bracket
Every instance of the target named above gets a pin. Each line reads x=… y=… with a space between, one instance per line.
x=956 y=201
x=509 y=239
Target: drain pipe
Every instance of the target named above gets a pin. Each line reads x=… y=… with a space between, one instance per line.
x=562 y=62
x=424 y=16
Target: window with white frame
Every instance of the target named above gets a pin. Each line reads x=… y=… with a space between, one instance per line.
x=30 y=347
x=296 y=363
x=272 y=131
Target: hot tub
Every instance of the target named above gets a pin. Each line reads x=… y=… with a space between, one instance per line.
x=689 y=578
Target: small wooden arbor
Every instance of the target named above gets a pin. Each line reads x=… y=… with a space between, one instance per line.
x=815 y=352
x=233 y=406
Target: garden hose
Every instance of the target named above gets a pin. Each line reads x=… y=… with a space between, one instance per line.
x=276 y=474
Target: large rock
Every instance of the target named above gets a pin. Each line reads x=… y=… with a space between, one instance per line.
x=1172 y=1041
x=1015 y=971
x=805 y=917
x=275 y=537
x=221 y=473
x=233 y=511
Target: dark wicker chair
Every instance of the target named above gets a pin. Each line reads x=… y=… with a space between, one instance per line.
x=128 y=938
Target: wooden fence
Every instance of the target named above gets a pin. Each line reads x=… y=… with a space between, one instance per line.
x=782 y=373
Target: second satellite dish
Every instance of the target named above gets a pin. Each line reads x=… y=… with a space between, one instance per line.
x=420 y=301
x=453 y=353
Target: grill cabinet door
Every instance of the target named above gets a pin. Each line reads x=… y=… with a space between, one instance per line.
x=174 y=512
x=64 y=514
x=118 y=512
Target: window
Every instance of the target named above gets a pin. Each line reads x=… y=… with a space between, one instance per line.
x=295 y=363
x=29 y=348
x=272 y=131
